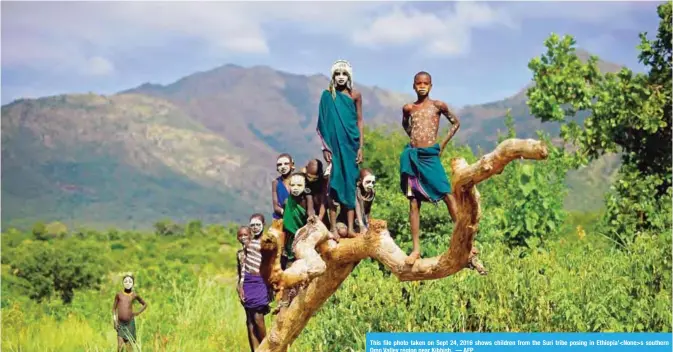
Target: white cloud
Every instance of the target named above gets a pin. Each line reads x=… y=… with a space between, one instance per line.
x=615 y=14
x=98 y=66
x=66 y=36
x=53 y=34
x=446 y=32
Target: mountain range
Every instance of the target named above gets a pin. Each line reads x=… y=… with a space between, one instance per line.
x=203 y=147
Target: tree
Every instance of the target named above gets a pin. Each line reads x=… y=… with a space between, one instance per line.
x=166 y=227
x=194 y=228
x=39 y=231
x=629 y=113
x=60 y=267
x=324 y=264
x=56 y=229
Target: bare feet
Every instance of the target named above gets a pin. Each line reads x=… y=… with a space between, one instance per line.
x=411 y=259
x=352 y=234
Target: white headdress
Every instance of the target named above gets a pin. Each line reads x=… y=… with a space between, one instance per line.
x=338 y=66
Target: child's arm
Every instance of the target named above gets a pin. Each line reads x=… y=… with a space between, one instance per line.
x=453 y=119
x=309 y=205
x=361 y=125
x=321 y=209
x=281 y=240
x=406 y=111
x=144 y=305
x=241 y=274
x=358 y=213
x=274 y=197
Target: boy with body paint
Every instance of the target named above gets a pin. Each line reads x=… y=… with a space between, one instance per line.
x=422 y=175
x=365 y=198
x=123 y=315
x=298 y=207
x=255 y=291
x=340 y=127
x=280 y=187
x=316 y=183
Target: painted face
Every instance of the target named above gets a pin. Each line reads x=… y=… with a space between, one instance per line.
x=283 y=165
x=369 y=182
x=256 y=226
x=297 y=185
x=341 y=77
x=422 y=85
x=128 y=282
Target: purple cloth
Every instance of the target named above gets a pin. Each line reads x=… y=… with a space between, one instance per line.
x=255 y=292
x=416 y=189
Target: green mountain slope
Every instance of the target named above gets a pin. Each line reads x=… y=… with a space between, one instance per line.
x=264 y=111
x=114 y=160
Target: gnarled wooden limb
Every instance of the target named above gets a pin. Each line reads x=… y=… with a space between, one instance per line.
x=322 y=271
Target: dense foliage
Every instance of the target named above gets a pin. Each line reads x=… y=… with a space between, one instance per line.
x=629 y=113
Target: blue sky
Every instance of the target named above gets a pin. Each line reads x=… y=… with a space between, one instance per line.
x=476 y=51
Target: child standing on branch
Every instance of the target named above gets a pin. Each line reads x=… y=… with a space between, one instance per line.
x=281 y=185
x=340 y=127
x=422 y=175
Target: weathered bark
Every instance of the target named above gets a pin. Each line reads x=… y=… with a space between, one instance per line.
x=324 y=264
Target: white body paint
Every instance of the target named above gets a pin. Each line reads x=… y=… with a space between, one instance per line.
x=368 y=182
x=341 y=78
x=256 y=226
x=342 y=74
x=128 y=283
x=297 y=185
x=283 y=165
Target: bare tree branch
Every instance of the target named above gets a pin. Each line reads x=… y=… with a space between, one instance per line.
x=324 y=264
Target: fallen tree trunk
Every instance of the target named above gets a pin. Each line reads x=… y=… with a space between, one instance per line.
x=324 y=264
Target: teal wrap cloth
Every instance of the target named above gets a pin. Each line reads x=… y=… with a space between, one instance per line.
x=423 y=169
x=338 y=130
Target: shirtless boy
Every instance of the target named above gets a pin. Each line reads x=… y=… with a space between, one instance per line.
x=123 y=315
x=423 y=177
x=316 y=183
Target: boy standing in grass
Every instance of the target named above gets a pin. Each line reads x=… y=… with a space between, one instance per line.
x=123 y=315
x=243 y=236
x=254 y=291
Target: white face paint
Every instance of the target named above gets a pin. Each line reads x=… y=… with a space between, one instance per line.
x=341 y=77
x=256 y=226
x=283 y=165
x=128 y=283
x=369 y=182
x=297 y=185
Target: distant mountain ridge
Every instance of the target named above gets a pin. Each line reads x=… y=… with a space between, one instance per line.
x=201 y=147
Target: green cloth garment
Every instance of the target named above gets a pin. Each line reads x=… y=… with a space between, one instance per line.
x=127 y=330
x=423 y=169
x=338 y=130
x=294 y=218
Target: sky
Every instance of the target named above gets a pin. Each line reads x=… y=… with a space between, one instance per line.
x=477 y=52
